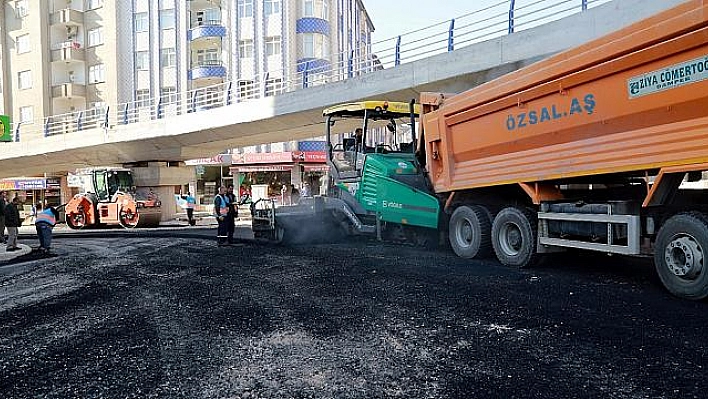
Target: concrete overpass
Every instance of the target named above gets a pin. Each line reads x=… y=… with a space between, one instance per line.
x=297 y=115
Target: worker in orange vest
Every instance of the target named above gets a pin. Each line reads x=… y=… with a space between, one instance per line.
x=44 y=223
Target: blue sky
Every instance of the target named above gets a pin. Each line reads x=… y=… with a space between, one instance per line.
x=394 y=17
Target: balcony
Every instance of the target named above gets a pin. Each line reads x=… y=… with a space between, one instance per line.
x=68 y=17
x=69 y=90
x=210 y=29
x=207 y=69
x=68 y=54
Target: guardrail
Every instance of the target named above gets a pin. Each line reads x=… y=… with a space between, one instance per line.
x=499 y=19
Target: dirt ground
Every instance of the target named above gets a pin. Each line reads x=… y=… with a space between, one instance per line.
x=178 y=317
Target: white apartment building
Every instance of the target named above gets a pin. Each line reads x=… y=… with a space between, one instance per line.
x=70 y=60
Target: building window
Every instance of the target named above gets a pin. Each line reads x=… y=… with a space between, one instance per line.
x=26 y=114
x=92 y=4
x=167 y=19
x=245 y=8
x=308 y=45
x=97 y=73
x=24 y=80
x=21 y=8
x=211 y=16
x=141 y=22
x=273 y=45
x=98 y=109
x=23 y=44
x=95 y=36
x=142 y=98
x=308 y=8
x=208 y=57
x=315 y=8
x=168 y=95
x=271 y=7
x=168 y=57
x=314 y=45
x=142 y=60
x=245 y=48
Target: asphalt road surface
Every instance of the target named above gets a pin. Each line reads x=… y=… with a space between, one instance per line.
x=177 y=317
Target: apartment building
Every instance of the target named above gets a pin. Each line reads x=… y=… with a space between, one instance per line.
x=70 y=60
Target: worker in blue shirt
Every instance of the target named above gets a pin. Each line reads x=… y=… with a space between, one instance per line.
x=44 y=222
x=191 y=204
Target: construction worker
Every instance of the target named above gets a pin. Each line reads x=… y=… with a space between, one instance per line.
x=191 y=204
x=3 y=202
x=44 y=222
x=221 y=211
x=12 y=223
x=231 y=216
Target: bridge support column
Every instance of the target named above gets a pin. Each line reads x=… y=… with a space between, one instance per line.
x=164 y=179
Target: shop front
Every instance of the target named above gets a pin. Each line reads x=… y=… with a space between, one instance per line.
x=32 y=191
x=282 y=176
x=210 y=174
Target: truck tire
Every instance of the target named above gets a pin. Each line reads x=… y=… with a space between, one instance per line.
x=514 y=236
x=680 y=255
x=469 y=232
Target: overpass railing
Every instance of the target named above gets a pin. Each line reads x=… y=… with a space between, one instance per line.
x=501 y=18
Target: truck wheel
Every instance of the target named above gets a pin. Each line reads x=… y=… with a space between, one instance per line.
x=469 y=232
x=679 y=255
x=514 y=237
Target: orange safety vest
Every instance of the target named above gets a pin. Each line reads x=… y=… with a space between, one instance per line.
x=46 y=216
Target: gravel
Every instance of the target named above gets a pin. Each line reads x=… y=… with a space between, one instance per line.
x=177 y=317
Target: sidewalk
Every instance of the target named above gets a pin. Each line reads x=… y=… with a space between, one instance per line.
x=5 y=256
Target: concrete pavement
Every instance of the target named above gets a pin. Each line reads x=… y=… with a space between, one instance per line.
x=5 y=256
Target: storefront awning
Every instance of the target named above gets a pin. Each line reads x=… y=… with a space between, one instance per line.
x=316 y=168
x=261 y=168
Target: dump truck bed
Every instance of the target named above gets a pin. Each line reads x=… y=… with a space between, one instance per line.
x=634 y=100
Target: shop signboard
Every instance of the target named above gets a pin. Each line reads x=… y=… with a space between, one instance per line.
x=5 y=132
x=267 y=157
x=261 y=168
x=221 y=159
x=53 y=182
x=23 y=184
x=282 y=157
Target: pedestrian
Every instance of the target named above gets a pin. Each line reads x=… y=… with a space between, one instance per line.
x=286 y=194
x=3 y=202
x=305 y=192
x=12 y=223
x=231 y=216
x=191 y=204
x=44 y=223
x=221 y=211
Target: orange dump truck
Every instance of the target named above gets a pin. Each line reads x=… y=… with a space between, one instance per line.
x=598 y=148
